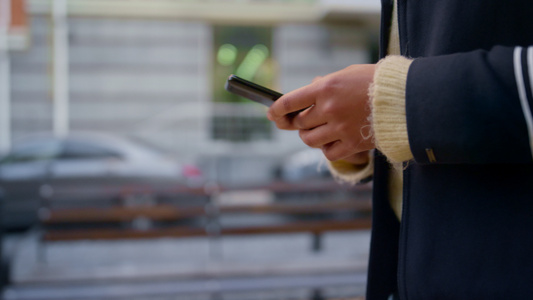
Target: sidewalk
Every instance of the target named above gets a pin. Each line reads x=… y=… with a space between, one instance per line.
x=183 y=265
x=190 y=257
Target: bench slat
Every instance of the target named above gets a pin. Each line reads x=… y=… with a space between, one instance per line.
x=169 y=212
x=315 y=227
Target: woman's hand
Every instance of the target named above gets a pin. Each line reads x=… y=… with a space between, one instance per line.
x=335 y=116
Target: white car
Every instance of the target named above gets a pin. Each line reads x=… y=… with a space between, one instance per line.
x=87 y=169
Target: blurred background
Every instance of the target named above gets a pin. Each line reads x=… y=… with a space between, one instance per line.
x=128 y=172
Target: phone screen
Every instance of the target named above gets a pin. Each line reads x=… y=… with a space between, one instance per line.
x=252 y=91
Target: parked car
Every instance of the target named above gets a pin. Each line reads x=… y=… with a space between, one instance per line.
x=4 y=263
x=87 y=169
x=306 y=177
x=307 y=164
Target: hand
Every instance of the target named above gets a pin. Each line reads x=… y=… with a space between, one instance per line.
x=335 y=116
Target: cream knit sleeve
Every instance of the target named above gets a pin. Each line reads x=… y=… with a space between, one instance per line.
x=348 y=172
x=388 y=108
x=387 y=99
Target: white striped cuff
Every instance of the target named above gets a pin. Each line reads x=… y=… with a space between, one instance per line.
x=521 y=85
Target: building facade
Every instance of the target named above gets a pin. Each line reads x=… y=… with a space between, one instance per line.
x=155 y=79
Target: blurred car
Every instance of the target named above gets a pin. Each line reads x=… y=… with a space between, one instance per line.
x=306 y=177
x=307 y=164
x=86 y=169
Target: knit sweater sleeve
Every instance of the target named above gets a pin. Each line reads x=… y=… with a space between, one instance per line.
x=388 y=108
x=347 y=172
x=387 y=99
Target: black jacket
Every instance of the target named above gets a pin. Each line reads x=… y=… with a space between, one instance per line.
x=467 y=221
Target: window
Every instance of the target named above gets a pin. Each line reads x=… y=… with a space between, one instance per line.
x=241 y=128
x=81 y=150
x=245 y=52
x=31 y=152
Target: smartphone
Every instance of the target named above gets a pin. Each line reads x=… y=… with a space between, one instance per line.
x=252 y=91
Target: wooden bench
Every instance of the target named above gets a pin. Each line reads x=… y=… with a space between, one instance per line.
x=121 y=222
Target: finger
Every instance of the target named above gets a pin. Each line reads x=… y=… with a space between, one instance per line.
x=292 y=102
x=309 y=118
x=317 y=137
x=286 y=123
x=317 y=78
x=337 y=150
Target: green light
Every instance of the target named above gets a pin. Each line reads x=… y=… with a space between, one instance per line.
x=252 y=61
x=227 y=54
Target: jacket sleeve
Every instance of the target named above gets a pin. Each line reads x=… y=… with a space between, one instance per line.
x=472 y=107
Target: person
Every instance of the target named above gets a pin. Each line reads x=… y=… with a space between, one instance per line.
x=443 y=124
